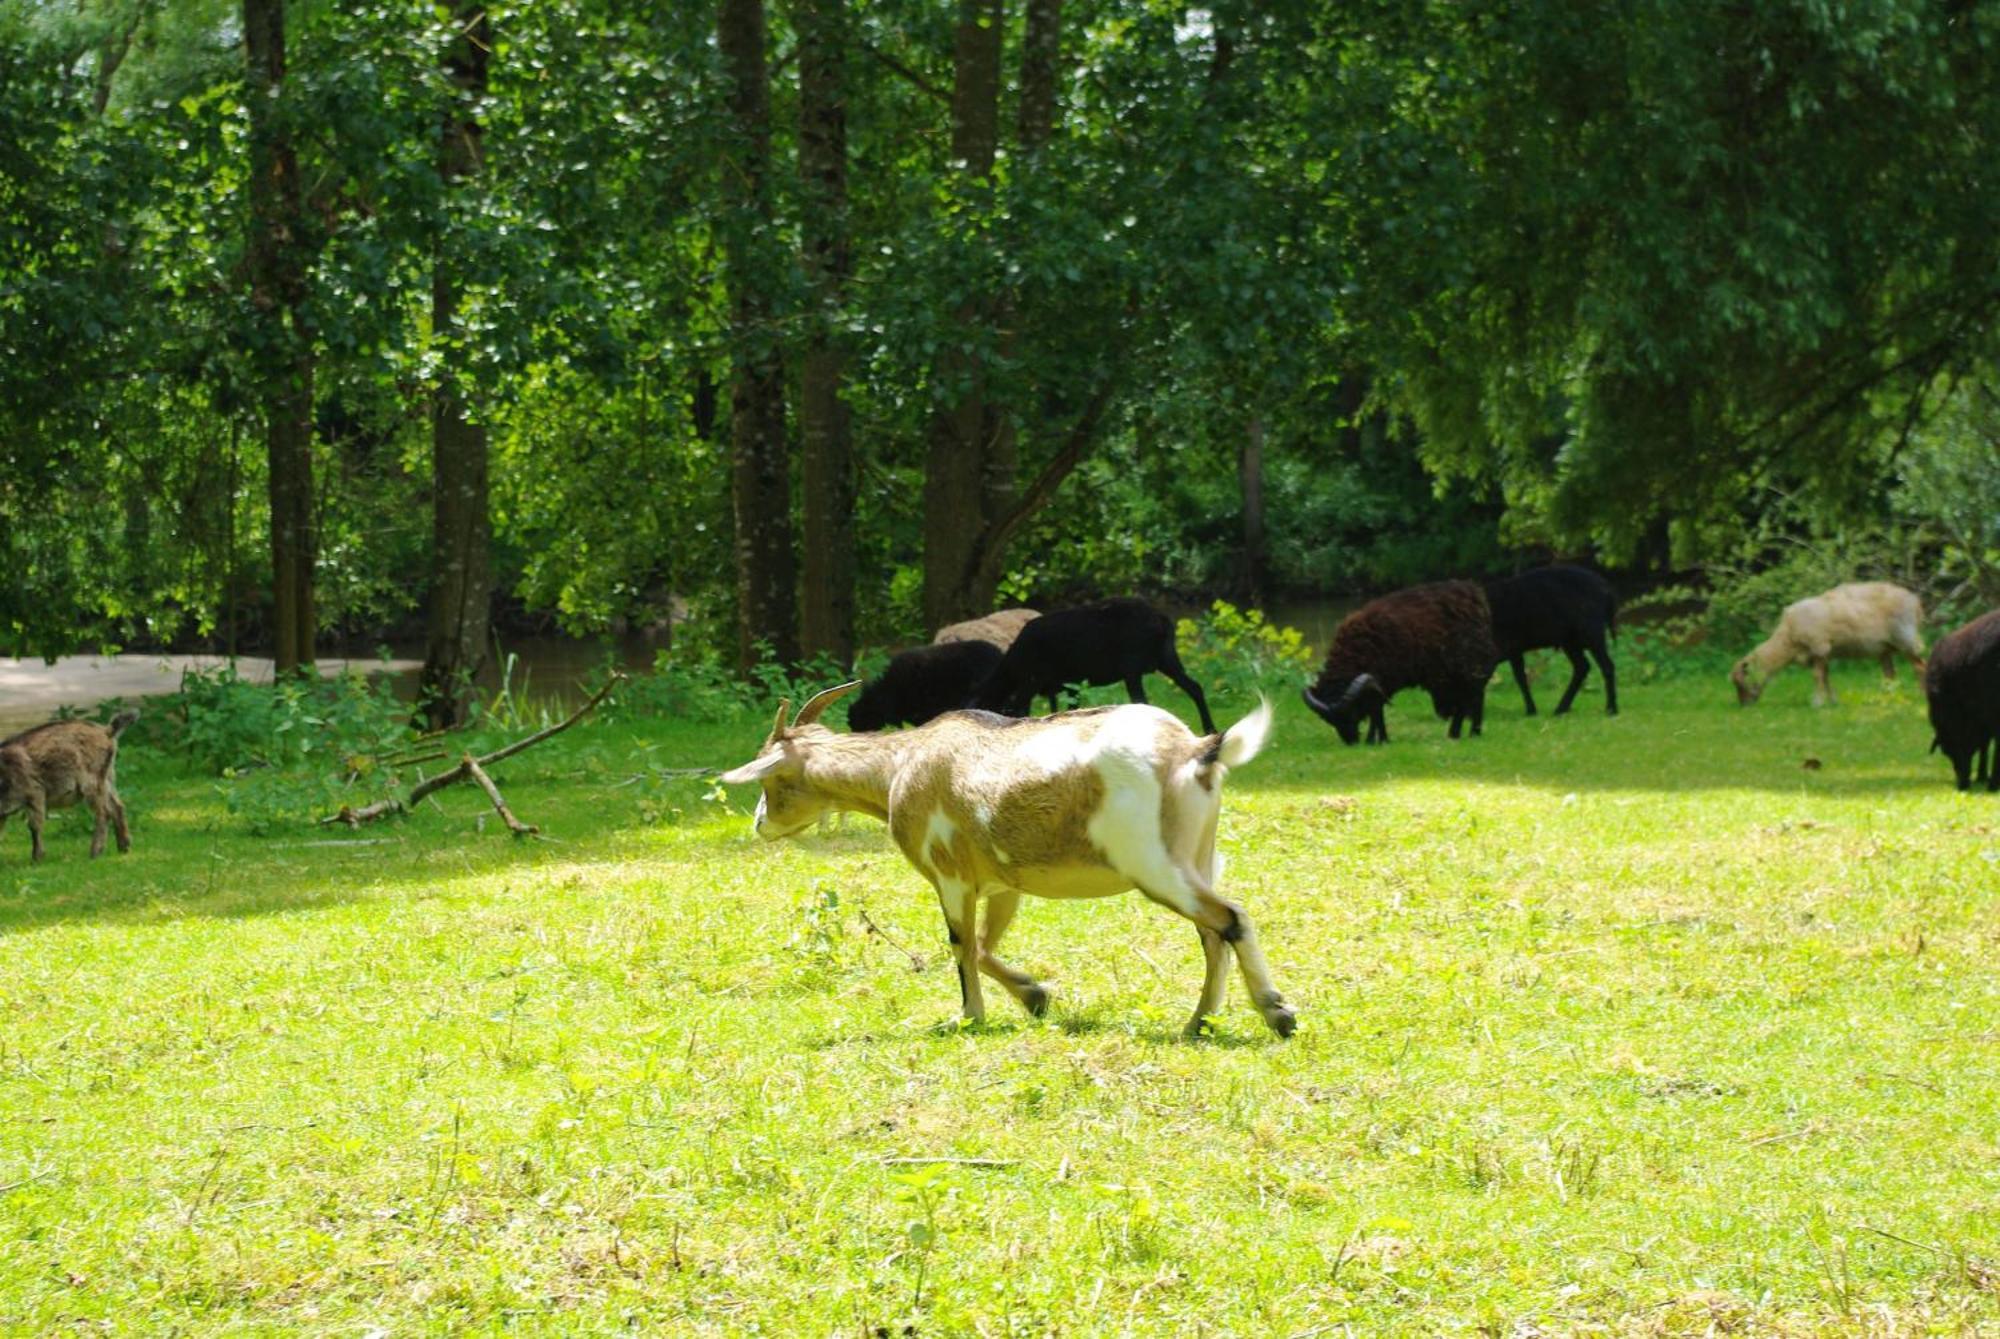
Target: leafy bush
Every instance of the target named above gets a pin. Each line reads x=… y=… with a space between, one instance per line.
x=704 y=690
x=683 y=689
x=1948 y=488
x=1237 y=652
x=234 y=725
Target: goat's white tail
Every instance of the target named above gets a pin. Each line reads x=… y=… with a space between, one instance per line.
x=1242 y=741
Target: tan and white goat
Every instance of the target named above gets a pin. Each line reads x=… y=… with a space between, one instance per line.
x=1862 y=620
x=1083 y=804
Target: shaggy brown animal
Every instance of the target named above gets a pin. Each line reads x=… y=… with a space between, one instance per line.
x=1962 y=683
x=60 y=764
x=1437 y=637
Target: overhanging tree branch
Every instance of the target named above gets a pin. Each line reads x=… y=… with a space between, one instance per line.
x=1082 y=435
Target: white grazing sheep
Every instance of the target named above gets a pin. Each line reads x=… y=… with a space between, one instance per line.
x=1083 y=804
x=1856 y=621
x=1000 y=628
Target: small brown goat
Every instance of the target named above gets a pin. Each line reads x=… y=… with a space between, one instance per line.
x=62 y=763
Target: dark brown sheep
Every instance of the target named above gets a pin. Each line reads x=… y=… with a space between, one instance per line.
x=59 y=764
x=1962 y=682
x=1437 y=637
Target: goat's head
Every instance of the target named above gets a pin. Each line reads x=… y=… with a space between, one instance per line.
x=1747 y=689
x=788 y=804
x=1361 y=695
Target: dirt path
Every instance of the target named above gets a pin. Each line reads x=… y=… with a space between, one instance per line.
x=31 y=690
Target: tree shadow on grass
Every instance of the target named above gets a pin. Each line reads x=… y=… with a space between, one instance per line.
x=182 y=870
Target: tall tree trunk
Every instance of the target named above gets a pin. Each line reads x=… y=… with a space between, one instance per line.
x=461 y=525
x=1035 y=119
x=1041 y=53
x=766 y=573
x=1250 y=474
x=957 y=477
x=827 y=466
x=277 y=265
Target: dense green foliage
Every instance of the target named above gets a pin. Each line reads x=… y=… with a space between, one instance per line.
x=1635 y=1026
x=1645 y=279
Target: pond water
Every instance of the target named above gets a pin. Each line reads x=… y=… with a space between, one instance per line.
x=548 y=671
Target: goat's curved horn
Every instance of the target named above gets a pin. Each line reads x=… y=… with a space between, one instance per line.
x=1361 y=683
x=784 y=710
x=1313 y=701
x=823 y=699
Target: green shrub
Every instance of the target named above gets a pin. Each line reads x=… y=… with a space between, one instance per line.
x=689 y=689
x=234 y=725
x=1238 y=653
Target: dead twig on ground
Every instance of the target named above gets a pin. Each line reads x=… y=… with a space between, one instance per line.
x=514 y=825
x=472 y=768
x=917 y=963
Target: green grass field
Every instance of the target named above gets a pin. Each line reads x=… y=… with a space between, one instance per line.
x=1637 y=1025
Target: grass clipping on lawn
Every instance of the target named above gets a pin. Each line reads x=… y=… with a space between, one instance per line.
x=1631 y=1026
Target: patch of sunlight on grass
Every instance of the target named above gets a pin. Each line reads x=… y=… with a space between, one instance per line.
x=1635 y=1025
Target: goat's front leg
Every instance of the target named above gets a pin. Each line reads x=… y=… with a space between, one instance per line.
x=999 y=914
x=1822 y=688
x=961 y=915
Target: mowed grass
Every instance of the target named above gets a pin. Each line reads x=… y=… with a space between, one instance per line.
x=1642 y=1025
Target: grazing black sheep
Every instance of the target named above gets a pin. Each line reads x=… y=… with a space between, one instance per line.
x=1568 y=608
x=1120 y=640
x=1962 y=682
x=923 y=682
x=1437 y=637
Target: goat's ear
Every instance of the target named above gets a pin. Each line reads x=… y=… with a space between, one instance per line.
x=753 y=770
x=821 y=700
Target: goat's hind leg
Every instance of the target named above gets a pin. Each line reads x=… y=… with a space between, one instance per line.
x=1181 y=888
x=118 y=824
x=999 y=914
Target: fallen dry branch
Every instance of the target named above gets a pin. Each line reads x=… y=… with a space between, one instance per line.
x=474 y=768
x=514 y=825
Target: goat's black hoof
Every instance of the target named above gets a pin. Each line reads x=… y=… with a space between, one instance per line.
x=1283 y=1022
x=1035 y=1000
x=1611 y=711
